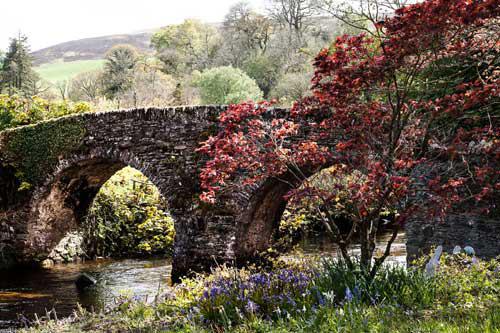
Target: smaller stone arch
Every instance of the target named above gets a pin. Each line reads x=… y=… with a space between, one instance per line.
x=258 y=224
x=260 y=209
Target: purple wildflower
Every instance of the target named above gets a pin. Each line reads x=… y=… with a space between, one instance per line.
x=348 y=294
x=251 y=307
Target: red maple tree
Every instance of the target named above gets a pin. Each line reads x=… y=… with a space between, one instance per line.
x=408 y=118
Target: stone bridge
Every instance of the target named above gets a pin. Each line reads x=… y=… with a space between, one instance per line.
x=50 y=173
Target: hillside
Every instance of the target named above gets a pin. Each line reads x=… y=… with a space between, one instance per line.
x=63 y=71
x=89 y=48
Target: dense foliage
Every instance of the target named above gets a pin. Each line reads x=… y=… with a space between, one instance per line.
x=128 y=218
x=408 y=137
x=18 y=111
x=273 y=47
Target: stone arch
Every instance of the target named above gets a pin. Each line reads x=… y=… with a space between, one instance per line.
x=59 y=205
x=63 y=201
x=259 y=222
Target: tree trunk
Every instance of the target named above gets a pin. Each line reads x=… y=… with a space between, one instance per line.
x=366 y=247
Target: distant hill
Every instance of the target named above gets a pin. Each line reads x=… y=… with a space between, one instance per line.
x=90 y=48
x=63 y=71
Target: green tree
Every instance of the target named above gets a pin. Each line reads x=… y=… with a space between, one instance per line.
x=189 y=46
x=2 y=57
x=119 y=70
x=265 y=70
x=227 y=85
x=291 y=87
x=17 y=75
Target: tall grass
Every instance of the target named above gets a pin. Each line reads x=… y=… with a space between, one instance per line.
x=391 y=285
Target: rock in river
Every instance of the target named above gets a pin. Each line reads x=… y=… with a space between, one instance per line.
x=85 y=281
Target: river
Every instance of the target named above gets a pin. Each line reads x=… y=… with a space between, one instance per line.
x=29 y=291
x=26 y=292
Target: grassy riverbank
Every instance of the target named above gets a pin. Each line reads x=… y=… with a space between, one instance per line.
x=463 y=296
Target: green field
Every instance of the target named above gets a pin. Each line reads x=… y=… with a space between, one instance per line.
x=60 y=71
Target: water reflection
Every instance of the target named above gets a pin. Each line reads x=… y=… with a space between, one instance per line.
x=29 y=291
x=320 y=246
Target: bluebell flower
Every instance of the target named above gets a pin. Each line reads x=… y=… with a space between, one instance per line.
x=348 y=294
x=321 y=298
x=357 y=292
x=215 y=291
x=251 y=307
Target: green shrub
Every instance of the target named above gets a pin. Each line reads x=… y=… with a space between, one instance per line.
x=226 y=85
x=18 y=111
x=129 y=218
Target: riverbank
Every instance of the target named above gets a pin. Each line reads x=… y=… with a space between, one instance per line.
x=29 y=292
x=462 y=296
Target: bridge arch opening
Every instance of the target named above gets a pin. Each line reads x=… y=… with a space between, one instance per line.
x=63 y=205
x=269 y=210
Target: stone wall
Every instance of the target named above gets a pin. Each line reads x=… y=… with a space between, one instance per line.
x=483 y=234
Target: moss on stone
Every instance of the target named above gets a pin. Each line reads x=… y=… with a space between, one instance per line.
x=35 y=150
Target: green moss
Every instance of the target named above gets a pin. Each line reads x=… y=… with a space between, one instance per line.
x=35 y=150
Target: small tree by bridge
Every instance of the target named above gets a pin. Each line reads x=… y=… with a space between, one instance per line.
x=408 y=117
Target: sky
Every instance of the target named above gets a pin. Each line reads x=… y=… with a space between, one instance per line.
x=49 y=22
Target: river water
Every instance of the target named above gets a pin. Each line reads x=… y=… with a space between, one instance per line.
x=26 y=292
